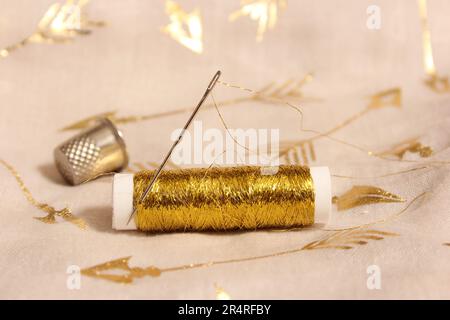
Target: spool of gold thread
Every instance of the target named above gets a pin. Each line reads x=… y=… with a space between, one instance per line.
x=217 y=199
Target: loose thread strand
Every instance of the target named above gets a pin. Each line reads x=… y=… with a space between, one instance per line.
x=327 y=135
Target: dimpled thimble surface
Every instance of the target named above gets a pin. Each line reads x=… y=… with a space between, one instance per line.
x=96 y=151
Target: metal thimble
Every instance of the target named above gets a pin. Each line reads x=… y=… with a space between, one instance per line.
x=96 y=151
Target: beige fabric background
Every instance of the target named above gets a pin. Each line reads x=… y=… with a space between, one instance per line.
x=132 y=67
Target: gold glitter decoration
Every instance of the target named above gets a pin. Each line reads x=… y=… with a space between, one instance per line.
x=411 y=145
x=234 y=198
x=221 y=294
x=185 y=28
x=340 y=240
x=60 y=24
x=65 y=213
x=302 y=151
x=363 y=195
x=263 y=11
x=434 y=81
x=271 y=93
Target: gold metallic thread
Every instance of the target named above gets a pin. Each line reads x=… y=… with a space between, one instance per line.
x=391 y=97
x=235 y=198
x=295 y=152
x=390 y=174
x=270 y=93
x=291 y=152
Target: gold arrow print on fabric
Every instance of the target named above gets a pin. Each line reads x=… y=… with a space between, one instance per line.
x=119 y=270
x=412 y=146
x=52 y=213
x=363 y=195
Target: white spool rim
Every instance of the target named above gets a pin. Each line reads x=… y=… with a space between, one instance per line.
x=123 y=188
x=322 y=188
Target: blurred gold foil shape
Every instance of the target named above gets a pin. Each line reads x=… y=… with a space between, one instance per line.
x=185 y=28
x=61 y=23
x=436 y=82
x=263 y=11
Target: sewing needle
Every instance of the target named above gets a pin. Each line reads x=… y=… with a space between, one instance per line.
x=186 y=126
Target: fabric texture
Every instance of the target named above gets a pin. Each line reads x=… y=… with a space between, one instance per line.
x=131 y=67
